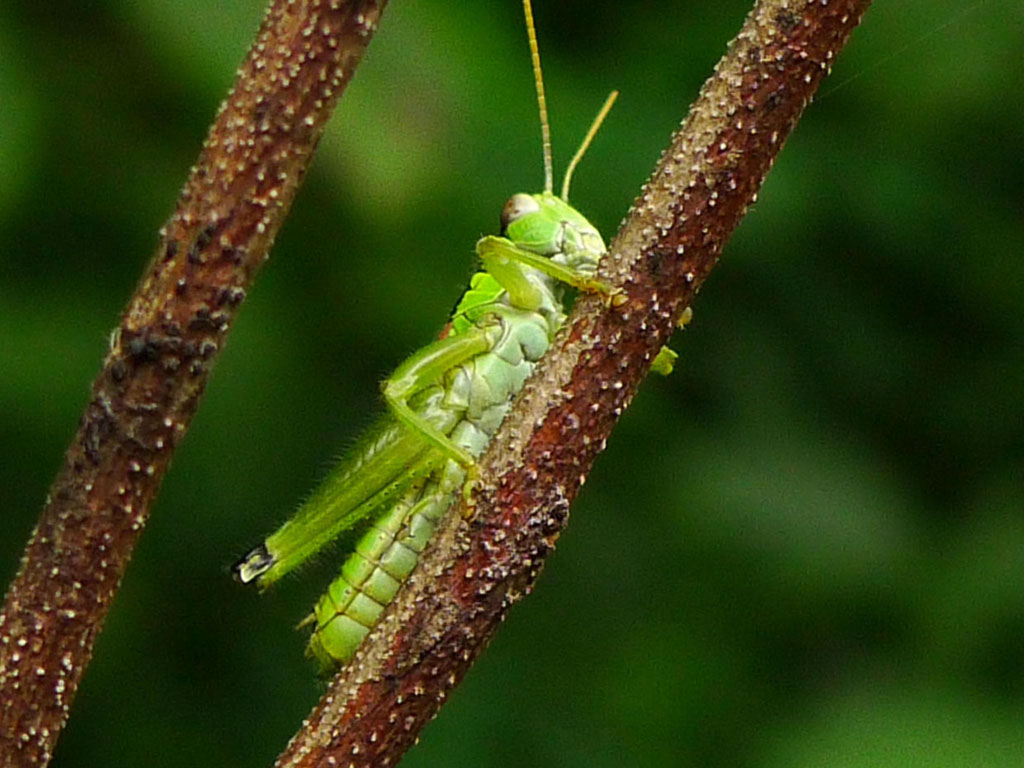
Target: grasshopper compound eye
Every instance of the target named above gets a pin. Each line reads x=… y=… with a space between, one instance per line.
x=517 y=206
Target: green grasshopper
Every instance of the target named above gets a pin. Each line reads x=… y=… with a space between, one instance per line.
x=445 y=403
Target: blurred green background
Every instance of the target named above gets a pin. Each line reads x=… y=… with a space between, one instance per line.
x=806 y=547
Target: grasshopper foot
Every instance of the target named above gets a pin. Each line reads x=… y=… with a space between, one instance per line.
x=664 y=361
x=612 y=297
x=468 y=488
x=616 y=298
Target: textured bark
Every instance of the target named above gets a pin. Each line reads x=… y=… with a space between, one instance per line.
x=671 y=240
x=160 y=356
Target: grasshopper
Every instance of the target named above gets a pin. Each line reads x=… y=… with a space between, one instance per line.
x=445 y=403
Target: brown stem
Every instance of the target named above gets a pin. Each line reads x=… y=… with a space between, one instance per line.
x=160 y=356
x=671 y=240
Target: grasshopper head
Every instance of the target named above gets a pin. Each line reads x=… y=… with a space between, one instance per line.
x=547 y=225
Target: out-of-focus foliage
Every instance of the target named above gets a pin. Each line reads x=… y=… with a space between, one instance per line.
x=806 y=547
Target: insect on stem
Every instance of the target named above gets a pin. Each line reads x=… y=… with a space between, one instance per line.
x=445 y=404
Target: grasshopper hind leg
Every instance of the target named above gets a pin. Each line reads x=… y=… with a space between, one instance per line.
x=427 y=367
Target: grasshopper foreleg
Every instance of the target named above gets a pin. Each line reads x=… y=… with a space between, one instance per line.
x=500 y=255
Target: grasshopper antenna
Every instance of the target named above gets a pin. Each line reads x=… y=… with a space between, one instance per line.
x=538 y=79
x=586 y=142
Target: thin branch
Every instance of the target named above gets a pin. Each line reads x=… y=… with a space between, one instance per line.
x=161 y=354
x=430 y=636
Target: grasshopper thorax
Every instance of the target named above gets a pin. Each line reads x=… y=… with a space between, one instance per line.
x=547 y=225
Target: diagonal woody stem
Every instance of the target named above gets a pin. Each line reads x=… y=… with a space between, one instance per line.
x=672 y=238
x=160 y=357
